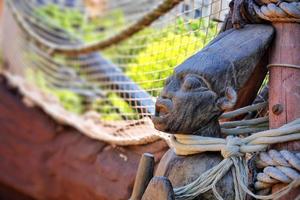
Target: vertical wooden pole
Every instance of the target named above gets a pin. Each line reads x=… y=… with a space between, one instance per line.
x=284 y=97
x=1 y=22
x=1 y=6
x=143 y=176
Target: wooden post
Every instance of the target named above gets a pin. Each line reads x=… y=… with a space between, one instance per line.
x=1 y=6
x=143 y=176
x=284 y=98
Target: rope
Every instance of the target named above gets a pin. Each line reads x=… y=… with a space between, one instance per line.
x=284 y=65
x=73 y=50
x=243 y=110
x=244 y=122
x=233 y=150
x=279 y=11
x=279 y=166
x=245 y=126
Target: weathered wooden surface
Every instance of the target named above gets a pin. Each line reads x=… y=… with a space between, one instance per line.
x=248 y=93
x=8 y=193
x=182 y=170
x=285 y=83
x=45 y=160
x=160 y=188
x=143 y=176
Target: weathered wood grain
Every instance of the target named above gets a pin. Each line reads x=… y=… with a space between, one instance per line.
x=160 y=188
x=143 y=176
x=285 y=83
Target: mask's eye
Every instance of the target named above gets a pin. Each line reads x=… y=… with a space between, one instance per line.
x=192 y=82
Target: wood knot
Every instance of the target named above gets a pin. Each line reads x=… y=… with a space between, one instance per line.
x=277 y=109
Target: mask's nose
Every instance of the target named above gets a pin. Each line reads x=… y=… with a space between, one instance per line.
x=163 y=106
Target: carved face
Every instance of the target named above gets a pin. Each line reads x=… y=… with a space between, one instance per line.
x=186 y=105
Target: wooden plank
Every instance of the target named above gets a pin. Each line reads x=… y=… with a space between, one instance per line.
x=284 y=97
x=143 y=176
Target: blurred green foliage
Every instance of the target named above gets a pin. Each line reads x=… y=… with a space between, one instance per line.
x=114 y=108
x=69 y=100
x=156 y=61
x=79 y=25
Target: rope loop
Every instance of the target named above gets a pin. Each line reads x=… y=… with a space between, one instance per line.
x=232 y=147
x=278 y=166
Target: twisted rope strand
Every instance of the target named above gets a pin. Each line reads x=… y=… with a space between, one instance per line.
x=243 y=110
x=279 y=166
x=278 y=11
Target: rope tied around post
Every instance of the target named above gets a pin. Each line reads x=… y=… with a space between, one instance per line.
x=233 y=150
x=278 y=166
x=278 y=10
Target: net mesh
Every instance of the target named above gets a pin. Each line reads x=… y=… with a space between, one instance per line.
x=108 y=94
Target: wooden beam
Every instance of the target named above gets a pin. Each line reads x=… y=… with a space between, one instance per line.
x=143 y=176
x=284 y=96
x=42 y=159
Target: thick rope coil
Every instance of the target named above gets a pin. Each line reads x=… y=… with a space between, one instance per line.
x=279 y=166
x=233 y=150
x=279 y=11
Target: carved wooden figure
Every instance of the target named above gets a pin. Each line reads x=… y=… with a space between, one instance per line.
x=199 y=91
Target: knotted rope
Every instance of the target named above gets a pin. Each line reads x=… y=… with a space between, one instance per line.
x=233 y=150
x=278 y=10
x=279 y=166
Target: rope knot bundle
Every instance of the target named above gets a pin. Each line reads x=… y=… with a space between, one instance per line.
x=232 y=147
x=233 y=150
